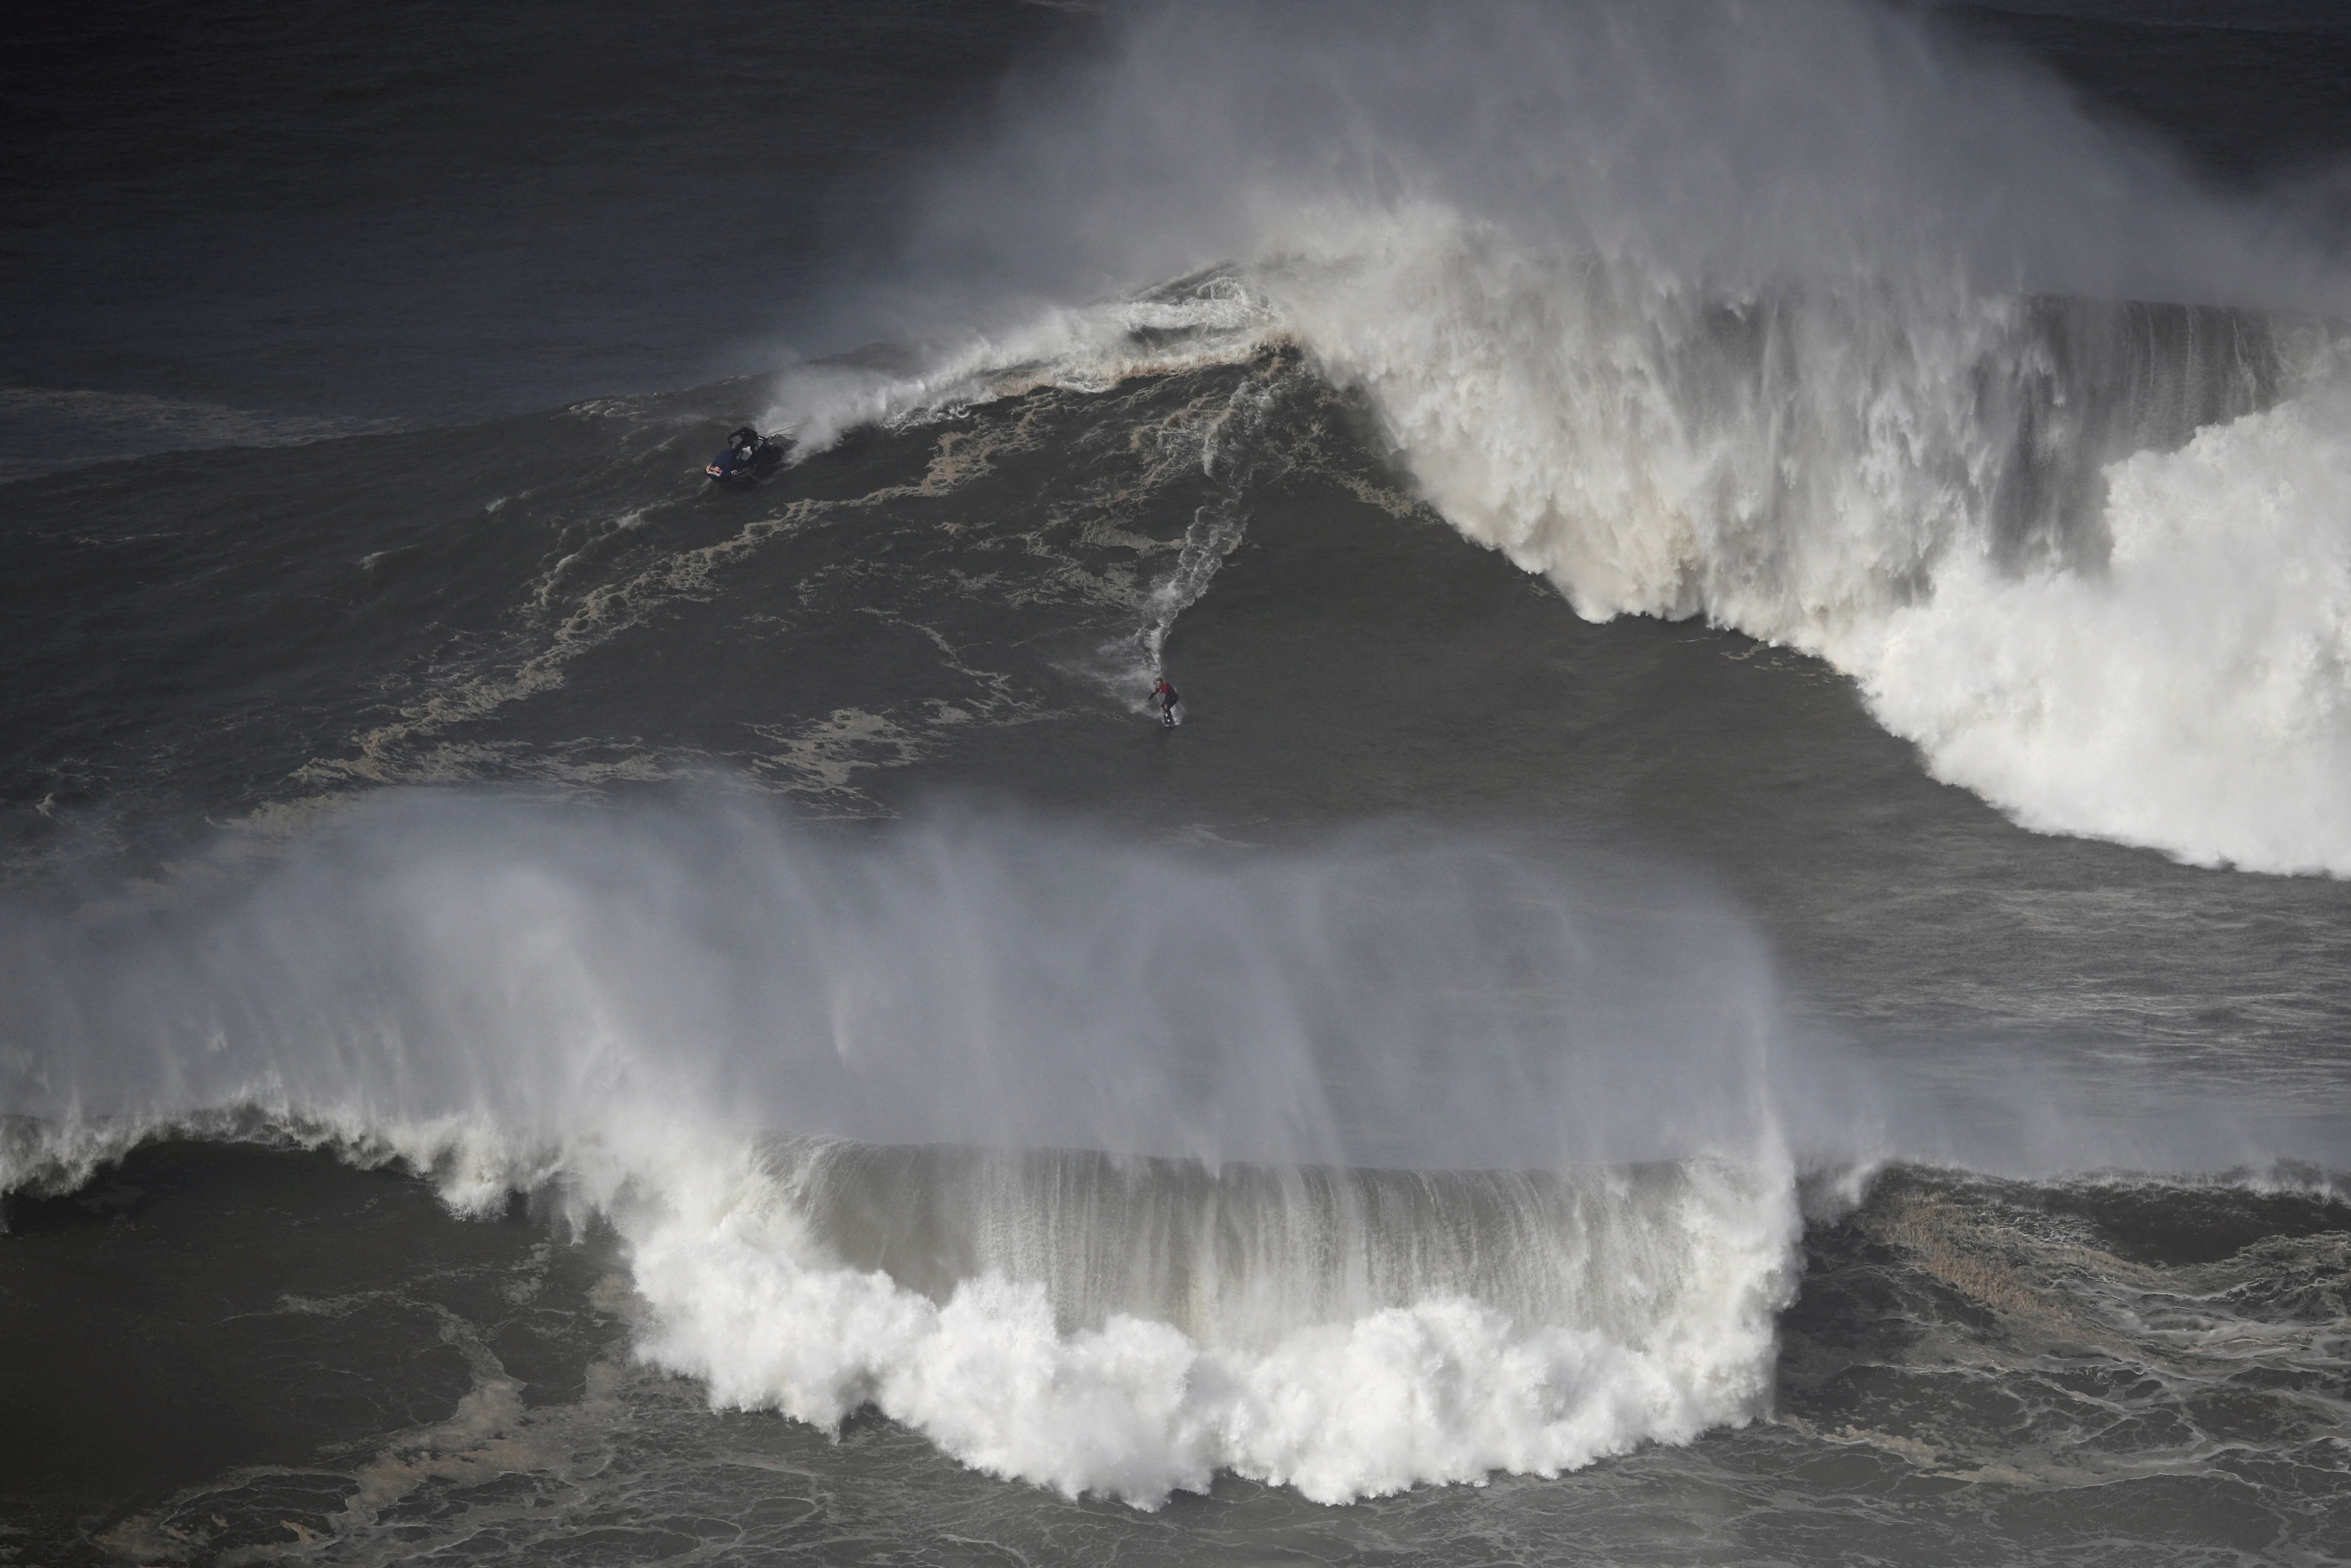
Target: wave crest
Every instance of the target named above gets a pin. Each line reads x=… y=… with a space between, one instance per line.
x=1131 y=1328
x=1815 y=324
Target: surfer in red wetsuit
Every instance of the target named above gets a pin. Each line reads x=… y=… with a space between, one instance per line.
x=1164 y=696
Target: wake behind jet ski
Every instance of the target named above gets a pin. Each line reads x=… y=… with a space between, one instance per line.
x=748 y=456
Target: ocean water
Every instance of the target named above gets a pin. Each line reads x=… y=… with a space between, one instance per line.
x=1740 y=954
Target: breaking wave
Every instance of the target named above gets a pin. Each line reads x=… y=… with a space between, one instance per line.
x=1868 y=373
x=1982 y=510
x=1133 y=1326
x=1345 y=1166
x=1373 y=1159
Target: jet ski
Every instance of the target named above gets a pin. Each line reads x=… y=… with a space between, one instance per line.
x=748 y=456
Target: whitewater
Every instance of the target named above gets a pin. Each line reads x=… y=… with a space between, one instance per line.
x=1225 y=1133
x=1374 y=1161
x=1934 y=379
x=1374 y=1213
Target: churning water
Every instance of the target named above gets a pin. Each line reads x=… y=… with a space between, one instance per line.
x=1742 y=947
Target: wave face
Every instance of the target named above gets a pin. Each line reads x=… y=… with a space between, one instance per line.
x=1854 y=371
x=1369 y=1176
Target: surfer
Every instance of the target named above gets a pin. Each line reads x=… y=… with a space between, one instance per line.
x=1164 y=696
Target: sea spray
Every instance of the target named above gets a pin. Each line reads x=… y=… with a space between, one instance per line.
x=1879 y=373
x=1657 y=1322
x=1979 y=508
x=2196 y=693
x=1380 y=1158
x=1384 y=1119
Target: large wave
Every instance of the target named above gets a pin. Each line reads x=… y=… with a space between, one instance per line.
x=1371 y=1159
x=1367 y=1175
x=1805 y=319
x=2099 y=629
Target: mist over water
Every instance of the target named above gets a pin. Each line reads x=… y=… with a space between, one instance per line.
x=1815 y=323
x=1543 y=1012
x=625 y=1011
x=1735 y=148
x=1431 y=1114
x=973 y=979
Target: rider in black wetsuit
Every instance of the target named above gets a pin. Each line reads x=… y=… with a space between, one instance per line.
x=1164 y=695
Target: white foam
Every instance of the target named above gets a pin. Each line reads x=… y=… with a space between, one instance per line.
x=1710 y=312
x=2187 y=692
x=1181 y=326
x=616 y=1011
x=741 y=1296
x=2196 y=694
x=1445 y=1388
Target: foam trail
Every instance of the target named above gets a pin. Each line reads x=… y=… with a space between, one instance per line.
x=1134 y=663
x=1808 y=321
x=1223 y=441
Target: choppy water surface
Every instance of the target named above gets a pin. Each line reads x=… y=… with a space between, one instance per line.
x=1738 y=956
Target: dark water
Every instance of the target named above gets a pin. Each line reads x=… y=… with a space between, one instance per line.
x=1973 y=1370
x=442 y=858
x=272 y=222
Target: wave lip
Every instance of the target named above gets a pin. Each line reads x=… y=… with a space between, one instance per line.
x=1818 y=325
x=1347 y=1333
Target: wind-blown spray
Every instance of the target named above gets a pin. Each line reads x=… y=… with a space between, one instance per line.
x=1807 y=319
x=1366 y=1173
